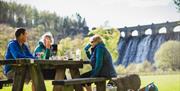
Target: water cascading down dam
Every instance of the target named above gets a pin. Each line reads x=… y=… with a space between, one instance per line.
x=144 y=43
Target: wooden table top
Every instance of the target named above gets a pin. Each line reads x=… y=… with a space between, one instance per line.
x=35 y=61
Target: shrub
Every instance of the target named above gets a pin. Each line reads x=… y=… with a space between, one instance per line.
x=143 y=67
x=132 y=68
x=120 y=69
x=146 y=67
x=168 y=56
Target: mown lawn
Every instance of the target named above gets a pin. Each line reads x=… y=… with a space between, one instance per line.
x=163 y=82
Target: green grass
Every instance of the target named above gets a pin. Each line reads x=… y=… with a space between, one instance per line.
x=163 y=82
x=27 y=87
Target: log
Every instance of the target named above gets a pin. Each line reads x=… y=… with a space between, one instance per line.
x=127 y=82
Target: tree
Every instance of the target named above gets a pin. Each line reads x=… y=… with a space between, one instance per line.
x=28 y=16
x=167 y=56
x=177 y=2
x=35 y=17
x=4 y=11
x=20 y=22
x=19 y=15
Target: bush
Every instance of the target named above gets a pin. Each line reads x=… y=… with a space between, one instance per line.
x=136 y=68
x=168 y=56
x=68 y=46
x=110 y=38
x=146 y=67
x=132 y=68
x=6 y=34
x=120 y=69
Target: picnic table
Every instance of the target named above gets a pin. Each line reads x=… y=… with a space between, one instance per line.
x=34 y=66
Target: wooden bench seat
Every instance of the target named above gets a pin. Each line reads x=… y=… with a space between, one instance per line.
x=5 y=82
x=100 y=82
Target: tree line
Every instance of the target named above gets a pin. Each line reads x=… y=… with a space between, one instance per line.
x=177 y=3
x=18 y=15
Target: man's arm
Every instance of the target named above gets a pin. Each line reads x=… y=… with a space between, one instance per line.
x=15 y=51
x=29 y=54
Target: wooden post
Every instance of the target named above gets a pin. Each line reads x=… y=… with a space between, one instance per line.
x=60 y=74
x=76 y=74
x=37 y=77
x=1 y=85
x=101 y=86
x=19 y=78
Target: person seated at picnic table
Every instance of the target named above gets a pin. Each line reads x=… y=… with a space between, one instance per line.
x=43 y=51
x=17 y=48
x=101 y=60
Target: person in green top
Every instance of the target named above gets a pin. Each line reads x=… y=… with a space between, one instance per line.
x=42 y=51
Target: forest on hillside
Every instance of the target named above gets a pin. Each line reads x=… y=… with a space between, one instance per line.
x=18 y=15
x=14 y=15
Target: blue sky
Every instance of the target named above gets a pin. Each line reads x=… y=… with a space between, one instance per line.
x=113 y=13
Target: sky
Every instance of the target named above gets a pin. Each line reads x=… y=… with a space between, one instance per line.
x=112 y=13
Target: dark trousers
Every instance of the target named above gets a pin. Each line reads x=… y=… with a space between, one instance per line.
x=86 y=75
x=49 y=74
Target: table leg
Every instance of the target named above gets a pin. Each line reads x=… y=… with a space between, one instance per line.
x=101 y=86
x=1 y=85
x=19 y=78
x=37 y=78
x=60 y=74
x=76 y=74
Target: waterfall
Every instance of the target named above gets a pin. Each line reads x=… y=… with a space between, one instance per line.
x=136 y=49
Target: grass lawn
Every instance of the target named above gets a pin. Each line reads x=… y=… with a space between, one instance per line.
x=163 y=82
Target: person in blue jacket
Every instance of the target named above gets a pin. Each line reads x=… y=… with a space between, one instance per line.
x=17 y=49
x=101 y=60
